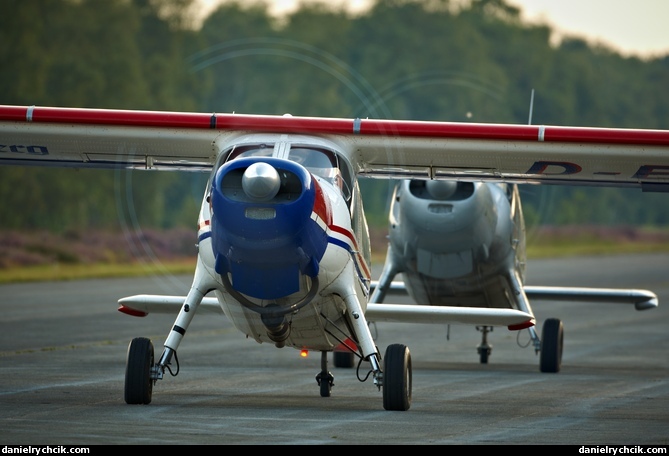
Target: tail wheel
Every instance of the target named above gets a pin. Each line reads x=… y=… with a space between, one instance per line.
x=138 y=383
x=552 y=336
x=397 y=378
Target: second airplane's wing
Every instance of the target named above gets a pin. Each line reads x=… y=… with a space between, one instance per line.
x=395 y=287
x=642 y=299
x=409 y=313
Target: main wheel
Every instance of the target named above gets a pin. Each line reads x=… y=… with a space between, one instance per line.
x=138 y=383
x=552 y=336
x=343 y=359
x=397 y=378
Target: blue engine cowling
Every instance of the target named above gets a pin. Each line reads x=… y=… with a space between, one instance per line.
x=266 y=244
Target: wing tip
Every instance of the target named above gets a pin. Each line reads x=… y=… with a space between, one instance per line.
x=132 y=312
x=650 y=303
x=523 y=325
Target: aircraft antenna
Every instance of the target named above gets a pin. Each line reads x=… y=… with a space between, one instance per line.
x=529 y=121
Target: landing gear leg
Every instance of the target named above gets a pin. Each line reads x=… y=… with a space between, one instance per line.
x=325 y=379
x=396 y=381
x=535 y=339
x=142 y=372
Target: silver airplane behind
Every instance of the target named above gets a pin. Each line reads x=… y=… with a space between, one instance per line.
x=463 y=244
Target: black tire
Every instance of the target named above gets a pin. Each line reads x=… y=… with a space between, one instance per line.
x=483 y=355
x=326 y=388
x=397 y=378
x=344 y=359
x=552 y=337
x=138 y=383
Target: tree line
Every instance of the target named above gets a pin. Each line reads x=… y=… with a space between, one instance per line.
x=401 y=59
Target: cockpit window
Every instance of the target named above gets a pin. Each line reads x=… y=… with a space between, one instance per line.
x=248 y=150
x=254 y=150
x=322 y=163
x=313 y=158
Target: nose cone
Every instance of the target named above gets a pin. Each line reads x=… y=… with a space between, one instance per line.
x=261 y=181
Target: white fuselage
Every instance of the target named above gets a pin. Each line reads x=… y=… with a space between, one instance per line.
x=343 y=269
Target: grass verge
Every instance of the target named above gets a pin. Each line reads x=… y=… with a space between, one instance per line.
x=558 y=247
x=60 y=271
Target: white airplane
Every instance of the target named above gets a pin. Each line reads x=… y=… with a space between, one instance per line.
x=283 y=244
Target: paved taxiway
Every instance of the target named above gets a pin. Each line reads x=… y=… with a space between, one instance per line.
x=63 y=347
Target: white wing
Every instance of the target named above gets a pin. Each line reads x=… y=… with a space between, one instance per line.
x=378 y=148
x=480 y=316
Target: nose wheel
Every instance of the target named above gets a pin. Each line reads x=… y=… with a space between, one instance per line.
x=325 y=379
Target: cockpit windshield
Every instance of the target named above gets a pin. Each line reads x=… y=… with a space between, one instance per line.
x=318 y=162
x=254 y=150
x=321 y=163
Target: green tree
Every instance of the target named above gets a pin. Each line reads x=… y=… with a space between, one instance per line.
x=403 y=59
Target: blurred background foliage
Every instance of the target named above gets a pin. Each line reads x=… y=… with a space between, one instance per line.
x=401 y=59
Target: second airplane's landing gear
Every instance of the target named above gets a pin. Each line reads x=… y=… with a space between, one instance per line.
x=345 y=353
x=324 y=378
x=485 y=348
x=343 y=359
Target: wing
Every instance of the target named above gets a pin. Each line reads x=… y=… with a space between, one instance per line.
x=142 y=305
x=408 y=313
x=376 y=148
x=94 y=138
x=642 y=299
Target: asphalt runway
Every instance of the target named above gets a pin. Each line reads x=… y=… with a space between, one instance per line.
x=63 y=347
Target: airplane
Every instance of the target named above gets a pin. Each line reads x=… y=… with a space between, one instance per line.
x=283 y=246
x=459 y=243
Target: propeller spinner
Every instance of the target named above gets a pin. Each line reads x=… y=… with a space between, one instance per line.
x=261 y=181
